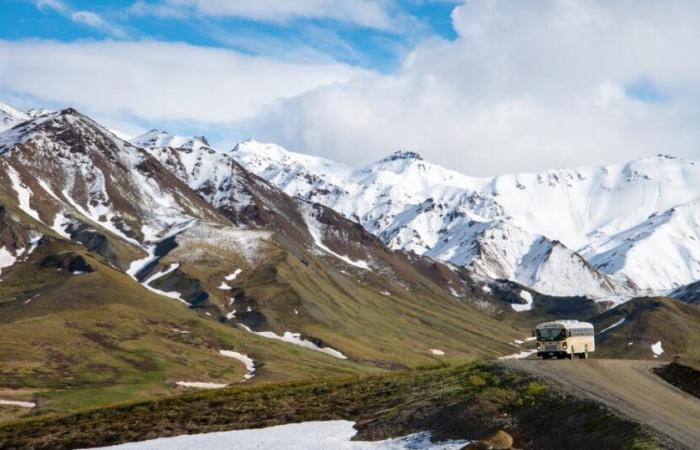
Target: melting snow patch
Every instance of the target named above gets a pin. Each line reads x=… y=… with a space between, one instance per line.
x=161 y=274
x=17 y=403
x=296 y=339
x=437 y=352
x=233 y=276
x=248 y=243
x=486 y=289
x=657 y=349
x=332 y=434
x=245 y=359
x=616 y=324
x=454 y=293
x=525 y=295
x=231 y=315
x=519 y=342
x=224 y=286
x=386 y=293
x=201 y=385
x=521 y=355
x=23 y=193
x=179 y=331
x=314 y=228
x=6 y=258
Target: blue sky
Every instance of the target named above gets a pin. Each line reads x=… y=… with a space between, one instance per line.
x=483 y=86
x=299 y=38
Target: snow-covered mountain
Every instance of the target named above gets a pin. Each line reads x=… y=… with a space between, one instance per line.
x=595 y=231
x=10 y=116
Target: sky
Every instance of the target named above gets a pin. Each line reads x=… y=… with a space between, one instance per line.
x=481 y=86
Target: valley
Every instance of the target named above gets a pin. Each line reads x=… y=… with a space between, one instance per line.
x=156 y=286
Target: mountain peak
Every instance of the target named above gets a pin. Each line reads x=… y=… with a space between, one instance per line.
x=160 y=139
x=403 y=155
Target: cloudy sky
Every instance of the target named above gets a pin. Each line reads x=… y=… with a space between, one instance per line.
x=482 y=86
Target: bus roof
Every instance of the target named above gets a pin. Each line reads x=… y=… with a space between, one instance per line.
x=565 y=324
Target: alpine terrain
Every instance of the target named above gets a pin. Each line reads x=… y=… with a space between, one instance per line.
x=270 y=287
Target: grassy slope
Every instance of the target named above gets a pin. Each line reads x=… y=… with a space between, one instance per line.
x=101 y=338
x=349 y=312
x=648 y=320
x=460 y=401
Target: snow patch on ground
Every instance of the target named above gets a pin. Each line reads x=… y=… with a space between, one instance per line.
x=314 y=227
x=615 y=325
x=161 y=274
x=437 y=352
x=201 y=384
x=24 y=195
x=194 y=243
x=233 y=276
x=296 y=339
x=521 y=355
x=657 y=349
x=327 y=435
x=525 y=295
x=245 y=359
x=17 y=403
x=7 y=259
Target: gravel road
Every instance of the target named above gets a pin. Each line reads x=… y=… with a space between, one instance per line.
x=628 y=386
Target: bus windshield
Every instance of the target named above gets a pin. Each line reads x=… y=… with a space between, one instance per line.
x=551 y=334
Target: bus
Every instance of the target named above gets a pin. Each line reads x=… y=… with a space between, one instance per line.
x=564 y=339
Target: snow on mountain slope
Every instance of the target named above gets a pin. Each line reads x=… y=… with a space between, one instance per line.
x=70 y=174
x=660 y=253
x=545 y=221
x=9 y=117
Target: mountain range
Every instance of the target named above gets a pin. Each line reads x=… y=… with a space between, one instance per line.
x=609 y=232
x=136 y=268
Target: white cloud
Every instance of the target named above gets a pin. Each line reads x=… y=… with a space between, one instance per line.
x=365 y=13
x=157 y=81
x=82 y=17
x=525 y=86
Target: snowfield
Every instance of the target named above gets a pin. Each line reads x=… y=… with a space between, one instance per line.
x=328 y=435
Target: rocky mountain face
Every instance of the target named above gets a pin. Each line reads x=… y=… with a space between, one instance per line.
x=609 y=232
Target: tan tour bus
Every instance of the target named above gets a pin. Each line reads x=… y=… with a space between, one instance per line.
x=564 y=339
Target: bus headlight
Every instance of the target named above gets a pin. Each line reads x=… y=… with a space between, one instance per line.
x=563 y=345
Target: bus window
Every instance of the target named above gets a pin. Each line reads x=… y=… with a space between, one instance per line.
x=551 y=334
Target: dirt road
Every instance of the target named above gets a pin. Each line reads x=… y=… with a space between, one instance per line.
x=628 y=386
